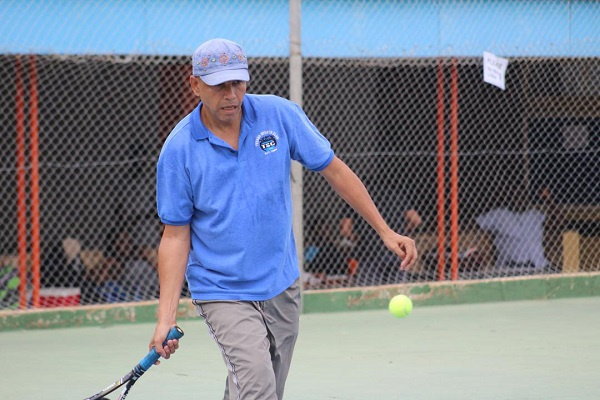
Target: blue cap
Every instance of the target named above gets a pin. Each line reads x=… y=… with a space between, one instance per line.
x=220 y=60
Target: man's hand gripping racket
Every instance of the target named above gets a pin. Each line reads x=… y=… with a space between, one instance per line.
x=132 y=376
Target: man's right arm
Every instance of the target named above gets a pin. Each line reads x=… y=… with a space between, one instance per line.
x=349 y=186
x=173 y=255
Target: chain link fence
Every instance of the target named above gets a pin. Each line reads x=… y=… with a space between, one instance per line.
x=489 y=182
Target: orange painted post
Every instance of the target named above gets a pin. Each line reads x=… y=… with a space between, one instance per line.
x=454 y=171
x=441 y=212
x=21 y=188
x=35 y=182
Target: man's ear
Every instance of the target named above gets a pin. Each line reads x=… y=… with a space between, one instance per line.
x=195 y=85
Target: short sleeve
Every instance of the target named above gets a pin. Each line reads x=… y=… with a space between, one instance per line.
x=307 y=145
x=174 y=197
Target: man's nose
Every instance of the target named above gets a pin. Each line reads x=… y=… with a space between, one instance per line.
x=229 y=89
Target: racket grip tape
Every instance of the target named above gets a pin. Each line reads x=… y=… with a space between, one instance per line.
x=153 y=356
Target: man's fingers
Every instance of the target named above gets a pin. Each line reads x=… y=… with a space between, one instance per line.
x=405 y=249
x=410 y=251
x=167 y=353
x=172 y=346
x=407 y=262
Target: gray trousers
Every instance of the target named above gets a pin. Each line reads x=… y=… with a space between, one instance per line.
x=256 y=340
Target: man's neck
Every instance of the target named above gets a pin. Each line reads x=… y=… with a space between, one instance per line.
x=228 y=131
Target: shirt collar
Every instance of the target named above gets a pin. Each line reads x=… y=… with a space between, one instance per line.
x=199 y=131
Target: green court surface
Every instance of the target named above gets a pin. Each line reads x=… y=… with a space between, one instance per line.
x=547 y=349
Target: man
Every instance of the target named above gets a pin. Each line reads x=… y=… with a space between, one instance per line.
x=223 y=193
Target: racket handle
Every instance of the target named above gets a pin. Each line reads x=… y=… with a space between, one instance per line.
x=153 y=356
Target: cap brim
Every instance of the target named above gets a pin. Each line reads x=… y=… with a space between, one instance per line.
x=219 y=77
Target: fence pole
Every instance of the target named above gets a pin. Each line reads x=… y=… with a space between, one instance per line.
x=441 y=212
x=454 y=171
x=35 y=182
x=296 y=96
x=21 y=185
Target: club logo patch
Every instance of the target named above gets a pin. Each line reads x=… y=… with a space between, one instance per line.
x=267 y=141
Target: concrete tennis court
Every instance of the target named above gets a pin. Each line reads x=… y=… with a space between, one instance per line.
x=546 y=349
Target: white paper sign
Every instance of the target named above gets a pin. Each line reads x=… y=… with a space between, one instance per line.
x=494 y=69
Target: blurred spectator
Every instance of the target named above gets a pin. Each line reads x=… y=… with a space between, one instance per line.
x=377 y=264
x=62 y=265
x=128 y=271
x=102 y=283
x=518 y=233
x=9 y=287
x=322 y=256
x=470 y=262
x=140 y=277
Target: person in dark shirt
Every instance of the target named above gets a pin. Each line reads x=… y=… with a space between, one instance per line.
x=375 y=266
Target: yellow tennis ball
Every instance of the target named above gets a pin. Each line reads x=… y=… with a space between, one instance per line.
x=400 y=306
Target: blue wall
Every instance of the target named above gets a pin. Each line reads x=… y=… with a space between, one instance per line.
x=408 y=28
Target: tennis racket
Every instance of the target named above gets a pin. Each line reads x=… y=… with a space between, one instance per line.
x=132 y=376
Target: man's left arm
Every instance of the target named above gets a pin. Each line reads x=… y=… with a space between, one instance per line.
x=349 y=186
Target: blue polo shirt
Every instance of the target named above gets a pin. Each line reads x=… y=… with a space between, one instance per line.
x=239 y=203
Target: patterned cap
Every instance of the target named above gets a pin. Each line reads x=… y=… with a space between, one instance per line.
x=220 y=60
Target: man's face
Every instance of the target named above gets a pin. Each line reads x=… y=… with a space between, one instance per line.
x=221 y=103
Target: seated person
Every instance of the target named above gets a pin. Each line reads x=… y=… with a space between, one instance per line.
x=322 y=255
x=62 y=265
x=377 y=264
x=140 y=277
x=9 y=287
x=102 y=284
x=518 y=235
